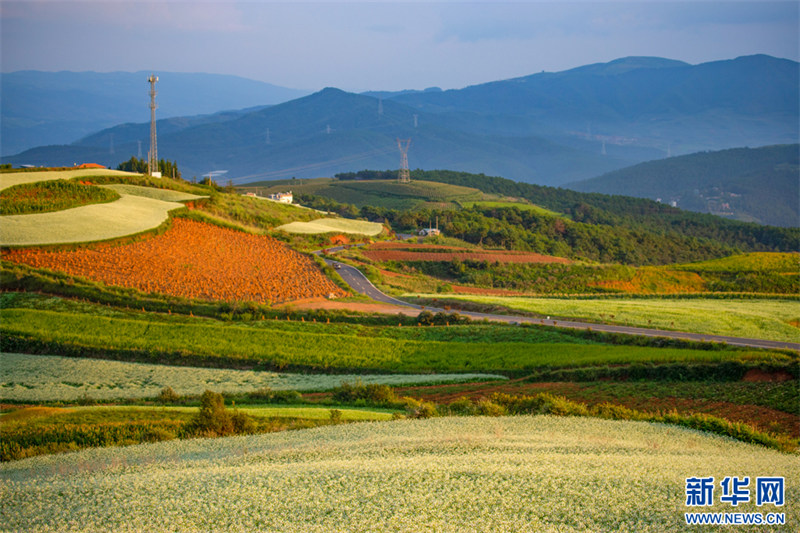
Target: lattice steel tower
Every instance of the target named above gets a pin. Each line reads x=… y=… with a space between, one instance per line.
x=403 y=176
x=152 y=156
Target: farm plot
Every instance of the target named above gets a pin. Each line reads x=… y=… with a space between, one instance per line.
x=193 y=260
x=166 y=195
x=526 y=473
x=127 y=216
x=327 y=225
x=9 y=179
x=755 y=318
x=35 y=378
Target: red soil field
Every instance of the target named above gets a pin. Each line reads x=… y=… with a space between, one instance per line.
x=194 y=260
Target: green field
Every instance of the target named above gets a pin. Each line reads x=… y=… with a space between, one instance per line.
x=488 y=204
x=9 y=179
x=524 y=473
x=206 y=342
x=381 y=193
x=736 y=317
x=49 y=196
x=752 y=262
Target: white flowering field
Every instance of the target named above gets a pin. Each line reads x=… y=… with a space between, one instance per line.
x=533 y=473
x=166 y=195
x=327 y=225
x=35 y=378
x=96 y=222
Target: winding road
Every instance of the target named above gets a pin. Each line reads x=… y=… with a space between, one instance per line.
x=359 y=283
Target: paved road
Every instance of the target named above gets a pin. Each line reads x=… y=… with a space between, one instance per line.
x=359 y=283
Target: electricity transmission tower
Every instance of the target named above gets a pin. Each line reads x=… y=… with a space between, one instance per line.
x=152 y=157
x=403 y=176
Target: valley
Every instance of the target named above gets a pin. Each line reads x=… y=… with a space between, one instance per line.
x=108 y=344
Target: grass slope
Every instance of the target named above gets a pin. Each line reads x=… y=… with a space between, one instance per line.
x=310 y=346
x=526 y=473
x=752 y=318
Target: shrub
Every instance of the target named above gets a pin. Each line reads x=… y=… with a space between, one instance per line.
x=462 y=406
x=168 y=395
x=276 y=396
x=214 y=420
x=489 y=408
x=419 y=409
x=373 y=393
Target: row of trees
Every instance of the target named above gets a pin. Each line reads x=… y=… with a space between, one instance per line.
x=634 y=214
x=168 y=169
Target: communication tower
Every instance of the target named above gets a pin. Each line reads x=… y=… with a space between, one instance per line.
x=403 y=176
x=152 y=157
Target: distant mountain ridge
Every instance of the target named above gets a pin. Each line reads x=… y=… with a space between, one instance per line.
x=548 y=128
x=40 y=108
x=760 y=184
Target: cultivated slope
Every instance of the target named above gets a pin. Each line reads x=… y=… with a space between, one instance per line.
x=447 y=474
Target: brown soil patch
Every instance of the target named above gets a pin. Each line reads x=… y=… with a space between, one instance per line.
x=763 y=418
x=361 y=307
x=755 y=374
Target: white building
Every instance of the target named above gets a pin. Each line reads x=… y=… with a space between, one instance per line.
x=283 y=197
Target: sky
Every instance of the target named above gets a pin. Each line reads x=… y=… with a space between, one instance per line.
x=383 y=45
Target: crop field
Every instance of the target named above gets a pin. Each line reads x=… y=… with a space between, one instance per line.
x=524 y=473
x=327 y=225
x=753 y=262
x=166 y=195
x=314 y=348
x=38 y=378
x=755 y=318
x=488 y=204
x=127 y=216
x=49 y=196
x=9 y=179
x=42 y=416
x=193 y=260
x=383 y=193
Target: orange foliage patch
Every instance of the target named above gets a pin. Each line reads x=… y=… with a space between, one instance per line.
x=339 y=239
x=194 y=260
x=656 y=281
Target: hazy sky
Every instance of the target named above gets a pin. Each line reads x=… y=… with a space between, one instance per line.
x=383 y=45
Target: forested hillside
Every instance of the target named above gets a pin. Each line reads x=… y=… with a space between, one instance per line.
x=595 y=226
x=755 y=184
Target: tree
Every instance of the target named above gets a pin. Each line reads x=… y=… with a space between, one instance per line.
x=214 y=420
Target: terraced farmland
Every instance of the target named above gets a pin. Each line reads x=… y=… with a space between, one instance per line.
x=37 y=378
x=328 y=225
x=525 y=473
x=193 y=260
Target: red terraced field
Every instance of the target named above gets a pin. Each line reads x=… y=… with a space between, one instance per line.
x=194 y=260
